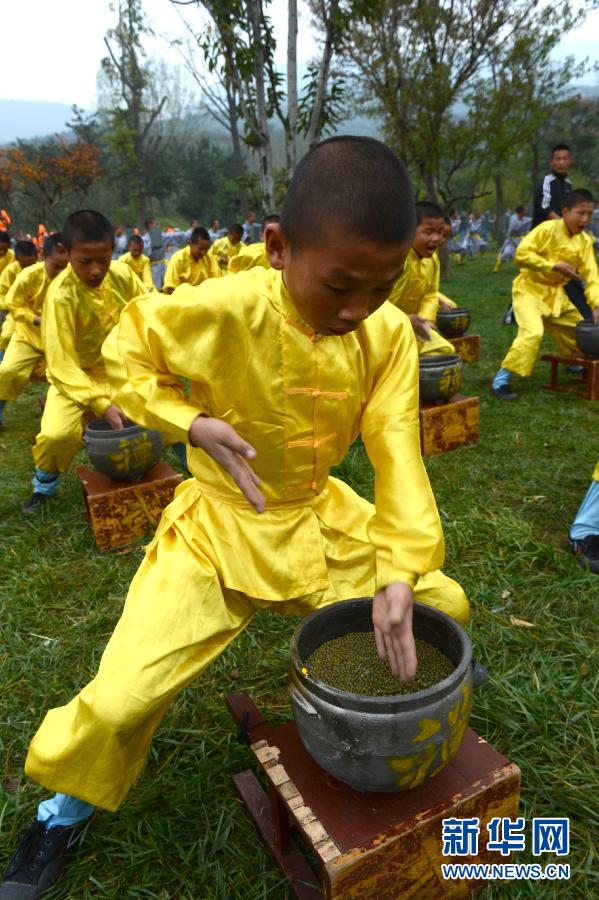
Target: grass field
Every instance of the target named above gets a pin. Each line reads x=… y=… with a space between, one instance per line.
x=506 y=505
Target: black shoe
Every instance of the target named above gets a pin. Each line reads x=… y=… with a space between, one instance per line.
x=575 y=370
x=39 y=860
x=587 y=552
x=505 y=392
x=34 y=501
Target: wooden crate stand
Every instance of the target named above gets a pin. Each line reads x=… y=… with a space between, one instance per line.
x=467 y=347
x=451 y=425
x=120 y=512
x=589 y=381
x=367 y=846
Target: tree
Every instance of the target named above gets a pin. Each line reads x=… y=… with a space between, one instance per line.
x=133 y=112
x=238 y=45
x=46 y=179
x=508 y=108
x=414 y=61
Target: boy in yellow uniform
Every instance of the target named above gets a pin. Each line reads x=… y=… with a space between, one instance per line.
x=549 y=256
x=82 y=305
x=252 y=255
x=192 y=264
x=25 y=301
x=417 y=291
x=136 y=259
x=286 y=367
x=225 y=248
x=6 y=254
x=25 y=256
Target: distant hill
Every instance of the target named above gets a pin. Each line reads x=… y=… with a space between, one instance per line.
x=31 y=119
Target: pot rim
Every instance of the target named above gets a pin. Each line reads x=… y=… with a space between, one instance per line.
x=458 y=311
x=100 y=429
x=391 y=703
x=439 y=359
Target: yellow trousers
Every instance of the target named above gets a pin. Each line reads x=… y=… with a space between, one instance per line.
x=178 y=617
x=534 y=315
x=19 y=362
x=60 y=433
x=436 y=344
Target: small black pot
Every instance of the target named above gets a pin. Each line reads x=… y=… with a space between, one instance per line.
x=124 y=454
x=453 y=322
x=440 y=377
x=587 y=337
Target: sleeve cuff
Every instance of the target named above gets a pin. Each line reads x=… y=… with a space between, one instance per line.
x=386 y=574
x=180 y=418
x=99 y=405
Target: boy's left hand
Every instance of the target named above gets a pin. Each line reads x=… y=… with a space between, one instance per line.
x=596 y=314
x=392 y=620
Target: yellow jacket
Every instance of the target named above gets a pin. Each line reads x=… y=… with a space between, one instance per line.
x=25 y=301
x=300 y=399
x=7 y=279
x=5 y=260
x=251 y=255
x=224 y=247
x=141 y=266
x=416 y=291
x=543 y=247
x=75 y=322
x=183 y=269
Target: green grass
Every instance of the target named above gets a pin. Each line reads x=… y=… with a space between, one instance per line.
x=506 y=505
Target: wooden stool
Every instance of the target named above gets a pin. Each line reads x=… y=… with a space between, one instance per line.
x=590 y=377
x=119 y=512
x=450 y=425
x=467 y=347
x=367 y=846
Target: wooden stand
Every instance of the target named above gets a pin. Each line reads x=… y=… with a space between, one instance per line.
x=367 y=846
x=467 y=347
x=119 y=512
x=451 y=425
x=589 y=380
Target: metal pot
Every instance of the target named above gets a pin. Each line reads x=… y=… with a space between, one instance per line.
x=440 y=377
x=587 y=337
x=381 y=743
x=125 y=454
x=453 y=322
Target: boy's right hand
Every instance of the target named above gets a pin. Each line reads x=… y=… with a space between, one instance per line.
x=220 y=441
x=115 y=417
x=421 y=327
x=566 y=270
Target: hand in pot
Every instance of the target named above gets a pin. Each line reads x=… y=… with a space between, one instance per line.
x=596 y=315
x=115 y=417
x=421 y=327
x=392 y=620
x=220 y=441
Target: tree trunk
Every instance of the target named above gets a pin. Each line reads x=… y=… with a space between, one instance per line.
x=445 y=261
x=237 y=151
x=292 y=83
x=316 y=116
x=264 y=146
x=499 y=207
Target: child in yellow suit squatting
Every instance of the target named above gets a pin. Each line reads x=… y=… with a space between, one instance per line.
x=416 y=292
x=287 y=366
x=6 y=254
x=25 y=256
x=25 y=301
x=548 y=257
x=192 y=264
x=137 y=260
x=82 y=306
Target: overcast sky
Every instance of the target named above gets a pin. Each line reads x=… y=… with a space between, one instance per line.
x=52 y=52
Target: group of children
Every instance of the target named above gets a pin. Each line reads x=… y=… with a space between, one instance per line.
x=267 y=375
